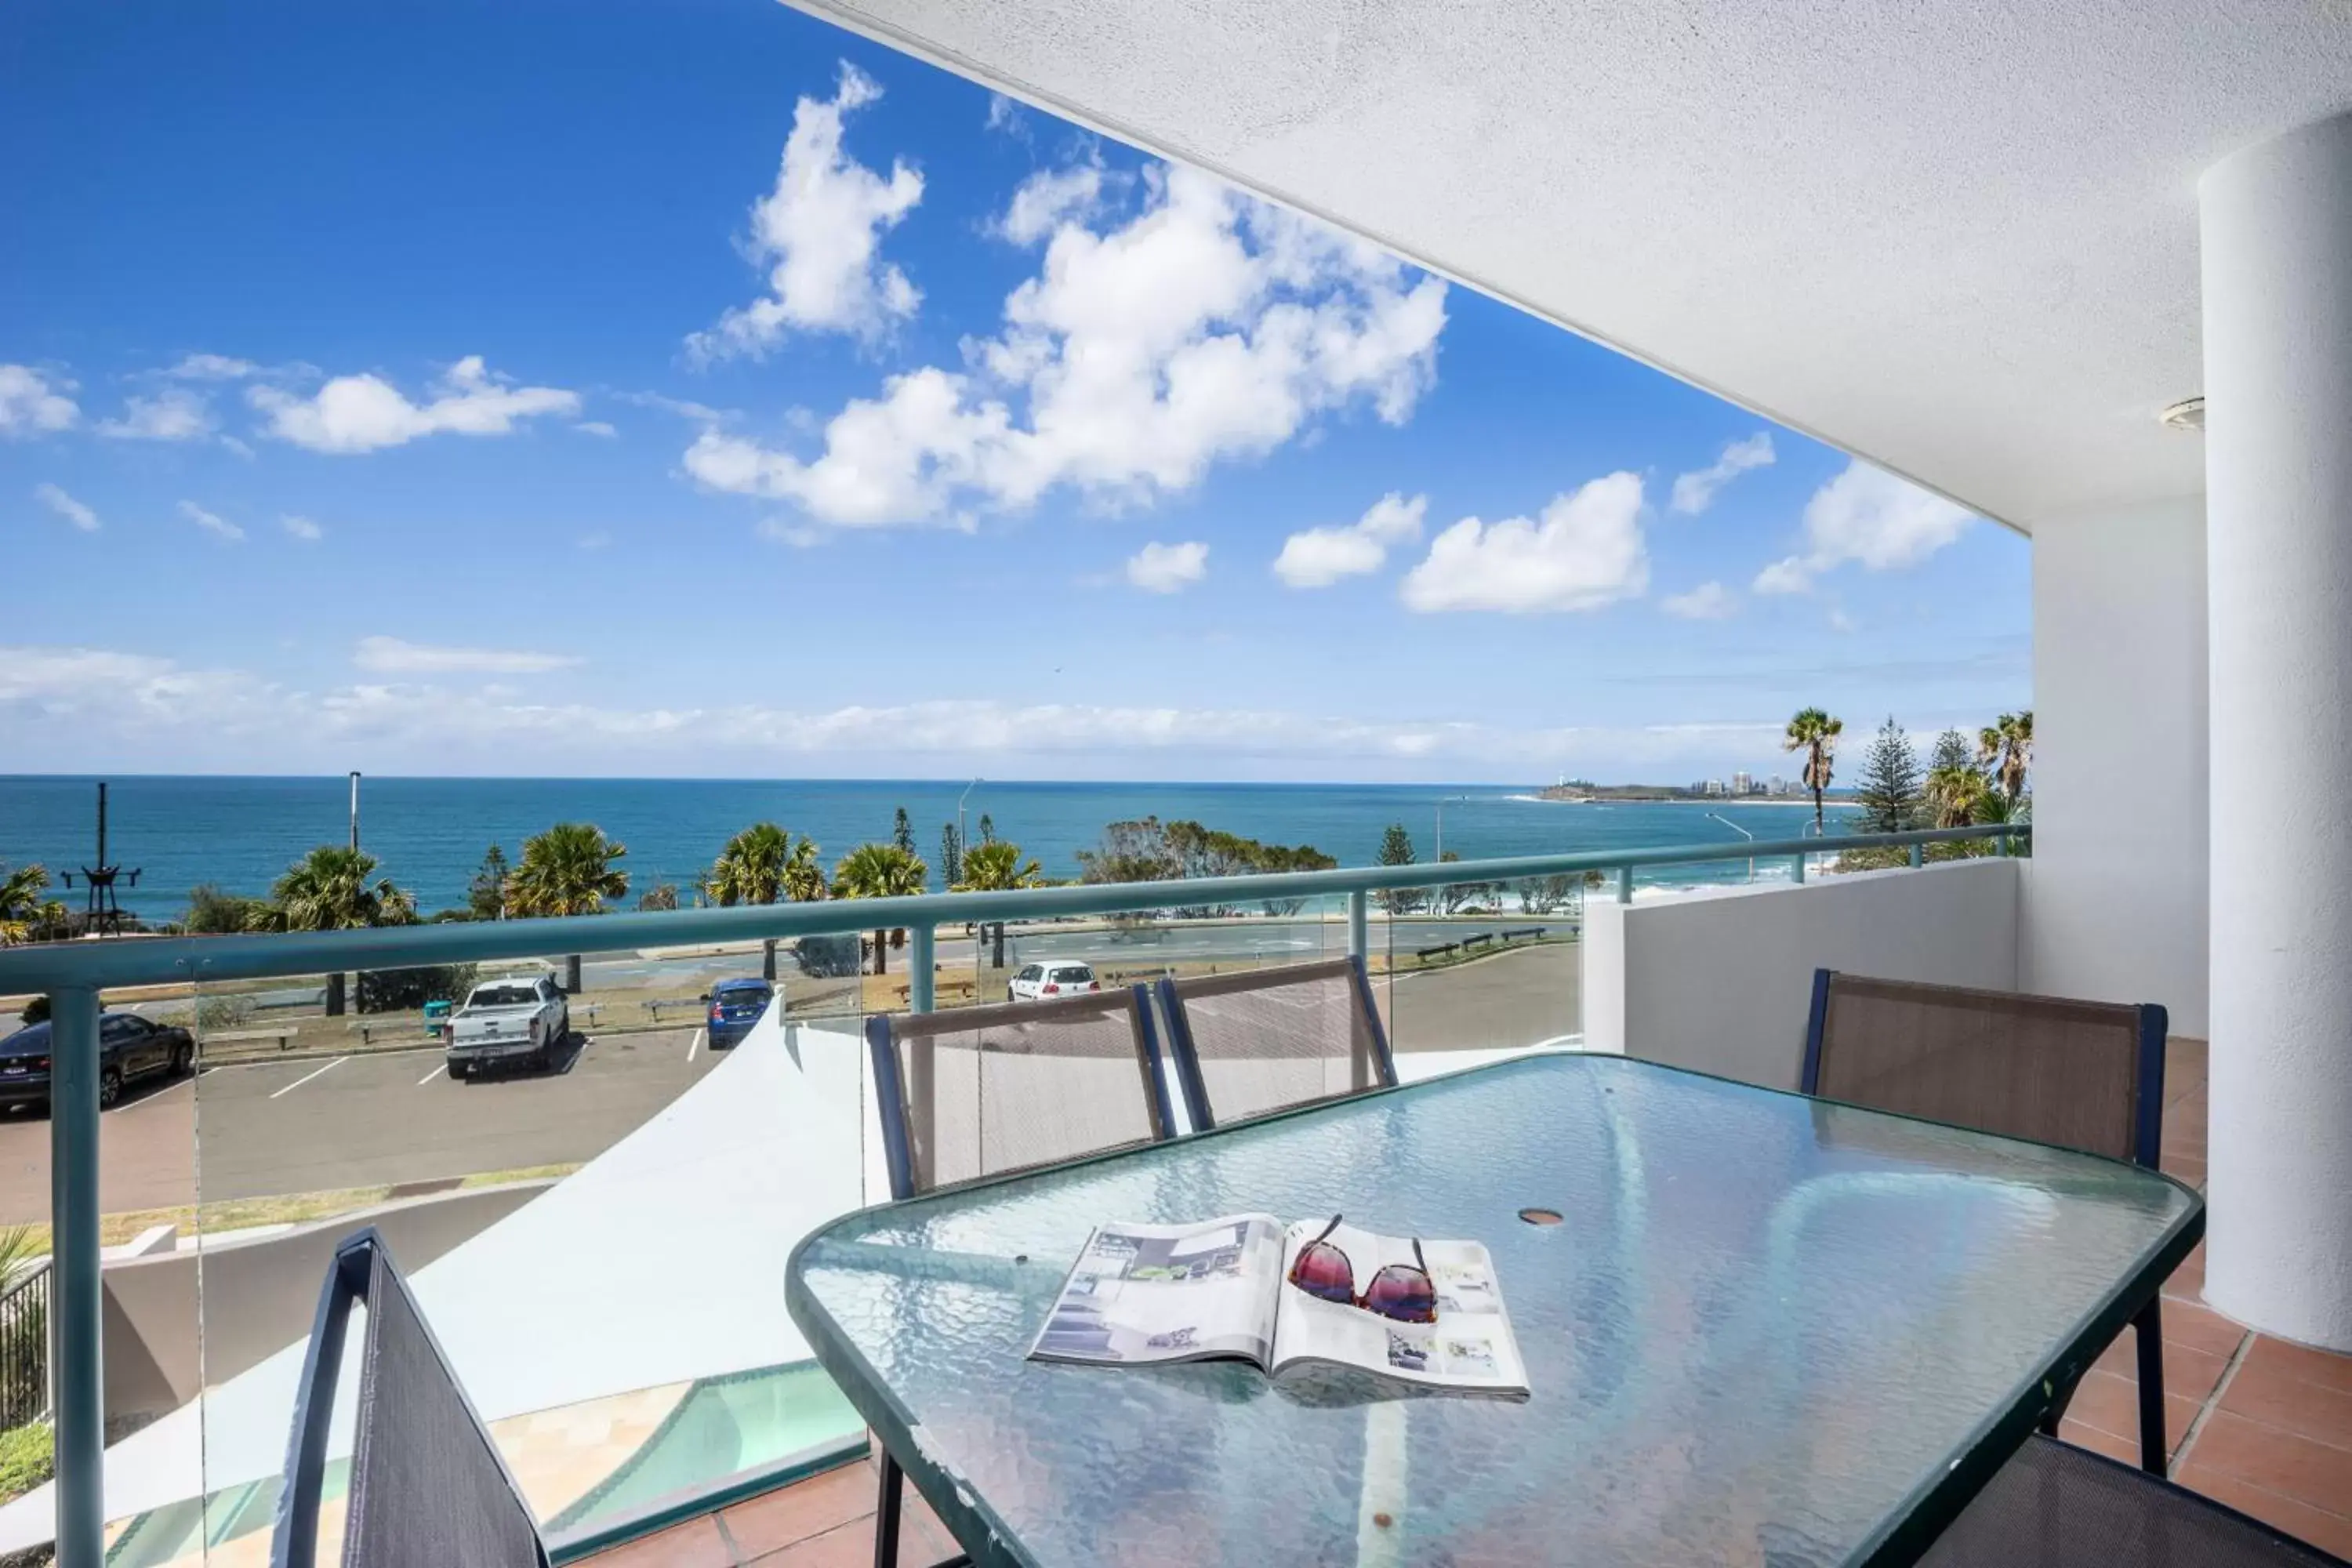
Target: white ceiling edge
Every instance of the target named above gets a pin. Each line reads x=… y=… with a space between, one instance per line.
x=2017 y=371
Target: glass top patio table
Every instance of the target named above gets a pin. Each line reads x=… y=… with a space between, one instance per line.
x=1767 y=1330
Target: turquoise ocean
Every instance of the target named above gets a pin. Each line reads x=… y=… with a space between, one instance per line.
x=430 y=833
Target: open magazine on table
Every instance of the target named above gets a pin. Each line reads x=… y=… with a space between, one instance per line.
x=1247 y=1286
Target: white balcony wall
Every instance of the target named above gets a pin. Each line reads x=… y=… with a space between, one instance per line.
x=2116 y=897
x=1720 y=979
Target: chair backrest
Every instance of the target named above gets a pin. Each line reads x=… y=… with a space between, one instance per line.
x=2082 y=1075
x=1264 y=1040
x=427 y=1486
x=980 y=1091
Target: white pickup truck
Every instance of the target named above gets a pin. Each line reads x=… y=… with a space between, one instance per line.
x=523 y=1018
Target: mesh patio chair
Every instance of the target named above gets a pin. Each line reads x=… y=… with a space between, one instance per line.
x=2081 y=1075
x=427 y=1486
x=1271 y=1039
x=984 y=1091
x=2057 y=1506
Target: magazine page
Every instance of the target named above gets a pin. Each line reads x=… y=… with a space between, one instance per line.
x=1142 y=1293
x=1469 y=1344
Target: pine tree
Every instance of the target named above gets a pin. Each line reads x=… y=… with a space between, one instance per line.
x=1396 y=849
x=1889 y=791
x=1952 y=751
x=902 y=834
x=950 y=854
x=486 y=895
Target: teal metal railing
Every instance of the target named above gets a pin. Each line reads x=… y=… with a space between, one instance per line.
x=74 y=974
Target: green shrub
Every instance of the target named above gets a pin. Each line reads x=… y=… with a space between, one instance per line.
x=216 y=1012
x=407 y=990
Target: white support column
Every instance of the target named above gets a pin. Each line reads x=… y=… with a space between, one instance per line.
x=2276 y=231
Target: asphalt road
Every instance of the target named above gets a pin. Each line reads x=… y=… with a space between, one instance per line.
x=394 y=1116
x=361 y=1120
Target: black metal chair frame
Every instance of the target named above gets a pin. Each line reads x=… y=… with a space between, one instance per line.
x=2147 y=1137
x=2039 y=1454
x=898 y=1150
x=295 y=1537
x=1187 y=1053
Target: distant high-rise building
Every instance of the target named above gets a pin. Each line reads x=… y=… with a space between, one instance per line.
x=1739 y=784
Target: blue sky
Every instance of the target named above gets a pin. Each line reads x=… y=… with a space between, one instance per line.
x=699 y=390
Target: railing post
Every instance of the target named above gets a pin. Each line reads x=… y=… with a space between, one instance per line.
x=1919 y=856
x=1624 y=884
x=922 y=947
x=76 y=1300
x=1799 y=862
x=1359 y=920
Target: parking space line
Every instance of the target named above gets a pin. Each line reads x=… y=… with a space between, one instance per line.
x=436 y=1072
x=695 y=1045
x=309 y=1076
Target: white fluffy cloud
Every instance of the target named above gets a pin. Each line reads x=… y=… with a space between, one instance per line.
x=212 y=367
x=211 y=523
x=1866 y=515
x=363 y=412
x=1695 y=492
x=301 y=528
x=820 y=232
x=66 y=507
x=1318 y=557
x=1159 y=568
x=1586 y=550
x=1207 y=326
x=32 y=403
x=1707 y=602
x=1049 y=198
x=95 y=707
x=390 y=655
x=175 y=413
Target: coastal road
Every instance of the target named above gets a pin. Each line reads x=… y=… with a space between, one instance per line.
x=323 y=1124
x=1211 y=940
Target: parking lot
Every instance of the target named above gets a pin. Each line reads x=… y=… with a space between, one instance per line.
x=385 y=1118
x=324 y=1123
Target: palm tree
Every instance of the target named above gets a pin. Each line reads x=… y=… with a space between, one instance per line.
x=765 y=864
x=23 y=911
x=334 y=888
x=1814 y=733
x=1956 y=796
x=567 y=870
x=995 y=865
x=2006 y=746
x=879 y=871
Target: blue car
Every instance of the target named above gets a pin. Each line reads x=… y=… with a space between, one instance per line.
x=735 y=1006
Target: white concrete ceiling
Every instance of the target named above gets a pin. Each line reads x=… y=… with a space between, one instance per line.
x=1957 y=236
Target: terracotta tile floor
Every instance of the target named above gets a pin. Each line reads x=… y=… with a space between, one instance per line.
x=826 y=1521
x=2256 y=1423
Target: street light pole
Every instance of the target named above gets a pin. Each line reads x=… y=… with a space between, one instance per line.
x=961 y=843
x=1744 y=834
x=1441 y=820
x=355 y=810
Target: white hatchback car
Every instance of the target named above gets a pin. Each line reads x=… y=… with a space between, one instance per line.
x=1058 y=979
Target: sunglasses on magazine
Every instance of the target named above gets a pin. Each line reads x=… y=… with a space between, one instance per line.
x=1399 y=1292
